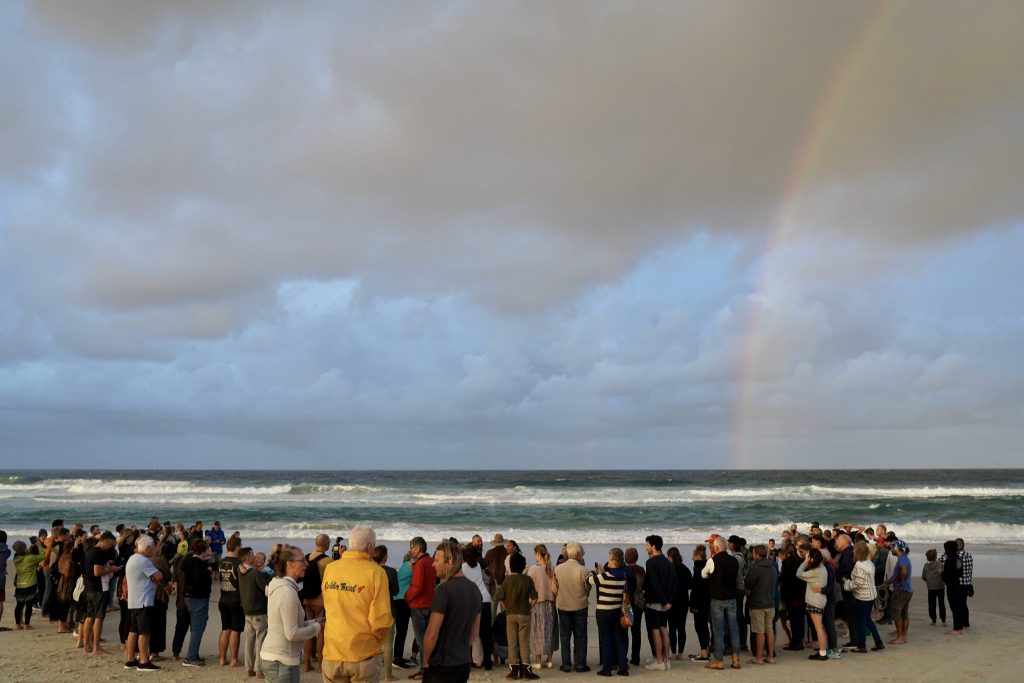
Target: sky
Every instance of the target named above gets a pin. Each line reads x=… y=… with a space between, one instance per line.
x=511 y=235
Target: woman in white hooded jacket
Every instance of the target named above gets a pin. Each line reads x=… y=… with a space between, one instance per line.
x=287 y=627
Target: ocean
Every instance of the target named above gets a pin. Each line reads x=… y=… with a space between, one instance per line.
x=985 y=507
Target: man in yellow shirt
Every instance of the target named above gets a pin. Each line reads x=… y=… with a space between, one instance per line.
x=357 y=603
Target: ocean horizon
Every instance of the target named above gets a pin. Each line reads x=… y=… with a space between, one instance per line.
x=985 y=506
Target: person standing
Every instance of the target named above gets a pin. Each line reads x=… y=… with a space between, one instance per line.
x=287 y=626
x=952 y=574
x=791 y=592
x=99 y=564
x=402 y=613
x=454 y=623
x=357 y=609
x=143 y=580
x=613 y=584
x=380 y=558
x=931 y=574
x=252 y=593
x=813 y=573
x=197 y=579
x=862 y=587
x=844 y=571
x=517 y=596
x=473 y=570
x=312 y=597
x=421 y=592
x=680 y=605
x=572 y=601
x=659 y=591
x=543 y=615
x=639 y=604
x=721 y=571
x=232 y=616
x=216 y=540
x=700 y=605
x=26 y=580
x=494 y=560
x=902 y=591
x=761 y=581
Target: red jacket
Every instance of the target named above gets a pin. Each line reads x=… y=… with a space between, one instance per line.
x=421 y=589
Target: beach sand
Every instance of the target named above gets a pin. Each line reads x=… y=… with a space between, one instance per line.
x=988 y=652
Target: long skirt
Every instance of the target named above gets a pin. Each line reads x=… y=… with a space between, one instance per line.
x=543 y=628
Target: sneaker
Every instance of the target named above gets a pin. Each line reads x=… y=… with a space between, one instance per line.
x=622 y=672
x=400 y=663
x=582 y=669
x=605 y=672
x=698 y=658
x=656 y=666
x=565 y=669
x=818 y=657
x=148 y=666
x=833 y=654
x=193 y=662
x=134 y=664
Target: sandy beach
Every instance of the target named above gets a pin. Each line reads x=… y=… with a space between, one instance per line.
x=987 y=652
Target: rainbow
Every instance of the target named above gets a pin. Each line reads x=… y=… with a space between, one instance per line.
x=835 y=96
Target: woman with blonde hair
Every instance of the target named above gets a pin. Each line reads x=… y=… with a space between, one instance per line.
x=543 y=616
x=862 y=584
x=287 y=627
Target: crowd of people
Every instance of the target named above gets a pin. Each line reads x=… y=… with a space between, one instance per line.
x=344 y=610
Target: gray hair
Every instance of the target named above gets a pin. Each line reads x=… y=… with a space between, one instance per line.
x=615 y=555
x=721 y=544
x=144 y=542
x=574 y=549
x=362 y=537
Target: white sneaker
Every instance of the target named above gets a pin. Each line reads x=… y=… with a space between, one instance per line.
x=656 y=666
x=668 y=665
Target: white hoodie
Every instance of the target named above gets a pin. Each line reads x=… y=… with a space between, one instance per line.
x=287 y=627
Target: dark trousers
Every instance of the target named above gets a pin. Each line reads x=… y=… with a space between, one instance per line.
x=862 y=609
x=828 y=620
x=957 y=604
x=612 y=637
x=968 y=592
x=849 y=616
x=122 y=621
x=573 y=625
x=446 y=674
x=181 y=626
x=796 y=614
x=402 y=627
x=937 y=603
x=158 y=627
x=486 y=640
x=677 y=627
x=702 y=625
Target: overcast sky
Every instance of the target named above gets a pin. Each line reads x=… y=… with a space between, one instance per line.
x=628 y=234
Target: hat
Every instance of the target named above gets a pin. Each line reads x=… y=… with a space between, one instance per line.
x=711 y=538
x=498 y=540
x=901 y=546
x=736 y=540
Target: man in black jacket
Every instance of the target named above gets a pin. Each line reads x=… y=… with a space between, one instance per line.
x=659 y=591
x=721 y=572
x=844 y=570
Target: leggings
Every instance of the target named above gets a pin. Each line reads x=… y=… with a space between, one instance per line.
x=677 y=628
x=23 y=610
x=701 y=624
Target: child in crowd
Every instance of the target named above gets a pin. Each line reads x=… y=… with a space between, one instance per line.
x=932 y=575
x=517 y=596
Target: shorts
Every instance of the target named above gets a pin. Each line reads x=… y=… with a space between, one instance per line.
x=899 y=603
x=811 y=609
x=95 y=605
x=232 y=617
x=655 y=618
x=761 y=619
x=139 y=620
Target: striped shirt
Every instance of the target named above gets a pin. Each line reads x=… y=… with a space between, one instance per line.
x=610 y=584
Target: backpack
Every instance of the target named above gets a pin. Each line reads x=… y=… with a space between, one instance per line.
x=311 y=581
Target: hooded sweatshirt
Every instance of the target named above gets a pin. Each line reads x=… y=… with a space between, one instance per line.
x=760 y=581
x=286 y=623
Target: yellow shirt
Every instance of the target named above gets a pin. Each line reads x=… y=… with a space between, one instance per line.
x=357 y=603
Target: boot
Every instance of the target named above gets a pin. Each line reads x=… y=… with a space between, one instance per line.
x=526 y=673
x=717 y=664
x=513 y=672
x=735 y=661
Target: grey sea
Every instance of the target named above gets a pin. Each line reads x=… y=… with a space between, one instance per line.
x=599 y=508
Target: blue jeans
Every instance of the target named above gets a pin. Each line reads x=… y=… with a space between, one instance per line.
x=419 y=618
x=276 y=672
x=722 y=611
x=199 y=614
x=573 y=623
x=613 y=640
x=867 y=624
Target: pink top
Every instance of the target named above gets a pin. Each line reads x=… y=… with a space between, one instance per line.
x=545 y=586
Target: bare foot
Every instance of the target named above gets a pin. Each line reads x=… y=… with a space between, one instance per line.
x=99 y=651
x=954 y=633
x=236 y=663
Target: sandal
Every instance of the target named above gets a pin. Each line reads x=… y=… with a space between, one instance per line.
x=418 y=676
x=759 y=662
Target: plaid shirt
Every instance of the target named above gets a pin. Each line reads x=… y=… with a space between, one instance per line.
x=967 y=563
